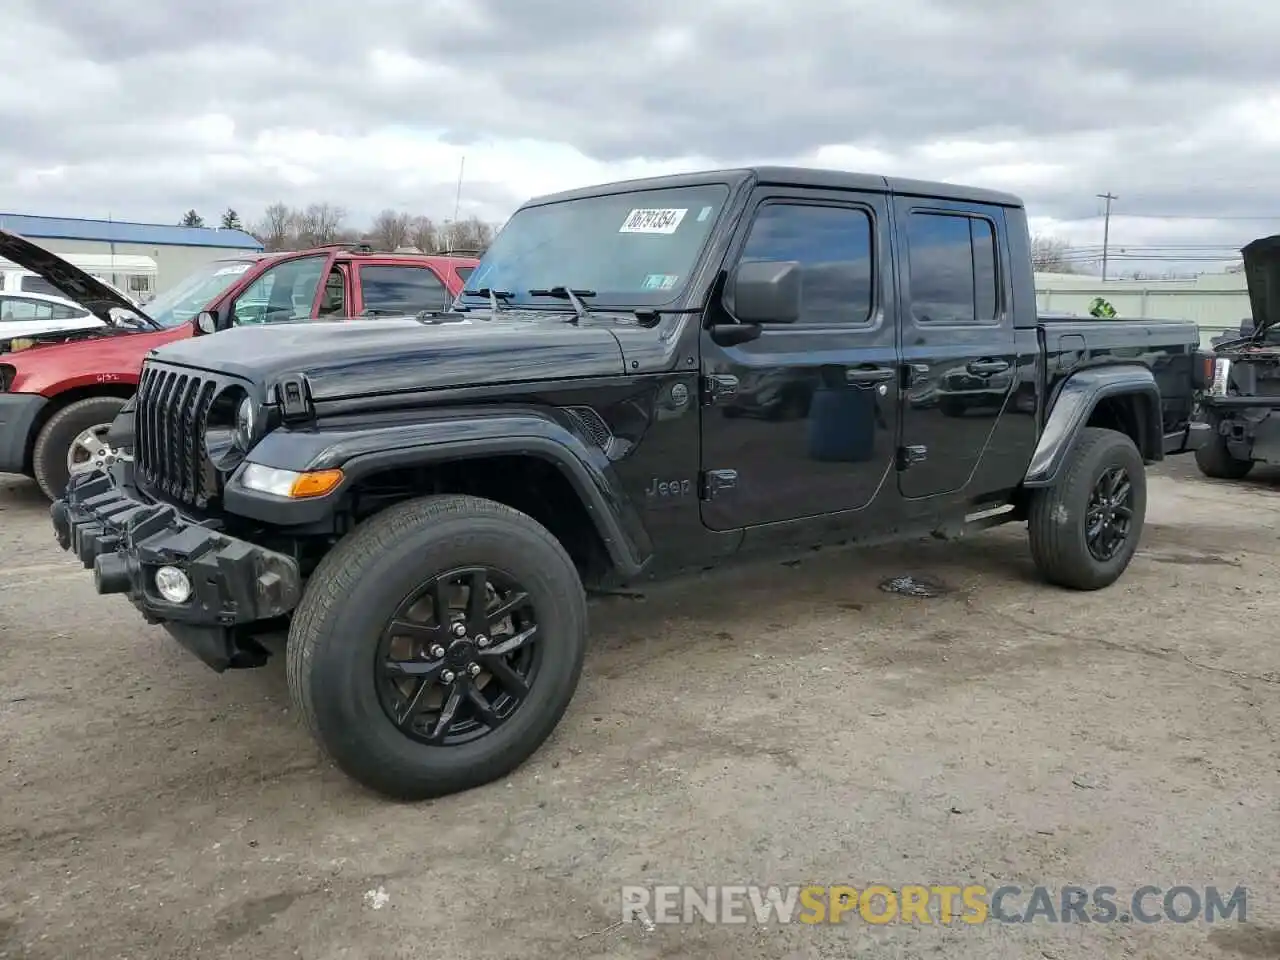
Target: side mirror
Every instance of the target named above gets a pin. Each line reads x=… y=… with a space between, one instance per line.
x=764 y=291
x=206 y=322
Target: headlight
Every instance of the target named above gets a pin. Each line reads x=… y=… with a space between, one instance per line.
x=230 y=428
x=246 y=424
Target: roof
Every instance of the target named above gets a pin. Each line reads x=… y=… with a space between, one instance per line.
x=33 y=295
x=797 y=176
x=123 y=231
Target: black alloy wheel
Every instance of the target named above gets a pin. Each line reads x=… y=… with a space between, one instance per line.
x=1109 y=513
x=459 y=656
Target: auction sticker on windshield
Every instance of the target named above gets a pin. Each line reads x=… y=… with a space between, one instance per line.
x=233 y=268
x=653 y=221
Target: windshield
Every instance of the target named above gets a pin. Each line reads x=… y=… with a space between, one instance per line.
x=195 y=292
x=630 y=249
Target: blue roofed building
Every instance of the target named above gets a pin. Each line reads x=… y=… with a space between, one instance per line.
x=142 y=258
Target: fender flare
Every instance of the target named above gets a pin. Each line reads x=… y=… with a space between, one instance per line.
x=1074 y=402
x=442 y=436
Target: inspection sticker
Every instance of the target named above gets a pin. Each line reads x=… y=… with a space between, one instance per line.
x=653 y=221
x=660 y=281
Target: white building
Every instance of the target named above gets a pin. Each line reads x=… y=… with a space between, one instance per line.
x=142 y=259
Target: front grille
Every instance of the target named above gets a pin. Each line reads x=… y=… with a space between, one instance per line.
x=169 y=455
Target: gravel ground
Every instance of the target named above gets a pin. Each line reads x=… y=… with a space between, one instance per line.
x=778 y=725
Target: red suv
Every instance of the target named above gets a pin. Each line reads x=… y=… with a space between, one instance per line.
x=60 y=391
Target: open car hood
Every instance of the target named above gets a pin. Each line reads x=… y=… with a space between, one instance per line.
x=73 y=283
x=1262 y=273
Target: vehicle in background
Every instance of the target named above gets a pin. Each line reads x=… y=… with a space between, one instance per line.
x=32 y=314
x=133 y=273
x=61 y=389
x=1242 y=408
x=425 y=509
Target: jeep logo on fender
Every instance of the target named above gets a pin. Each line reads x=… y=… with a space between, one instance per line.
x=669 y=488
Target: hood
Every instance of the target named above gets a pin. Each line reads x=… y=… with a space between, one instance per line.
x=360 y=358
x=1262 y=273
x=72 y=282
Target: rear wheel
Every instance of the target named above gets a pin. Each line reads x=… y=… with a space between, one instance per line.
x=74 y=440
x=1084 y=529
x=438 y=646
x=1217 y=462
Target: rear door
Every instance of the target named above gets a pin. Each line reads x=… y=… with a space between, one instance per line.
x=958 y=352
x=398 y=289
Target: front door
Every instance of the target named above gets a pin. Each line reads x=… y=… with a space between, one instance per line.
x=958 y=348
x=802 y=421
x=288 y=290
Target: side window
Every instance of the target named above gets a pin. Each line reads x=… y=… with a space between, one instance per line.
x=20 y=308
x=62 y=311
x=464 y=272
x=398 y=290
x=834 y=249
x=7 y=311
x=284 y=292
x=953 y=269
x=333 y=302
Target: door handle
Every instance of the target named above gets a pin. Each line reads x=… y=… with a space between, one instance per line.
x=868 y=376
x=985 y=368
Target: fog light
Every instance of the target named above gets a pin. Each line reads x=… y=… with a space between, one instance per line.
x=173 y=584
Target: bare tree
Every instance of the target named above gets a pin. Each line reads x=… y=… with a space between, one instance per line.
x=318 y=224
x=1052 y=255
x=273 y=230
x=390 y=230
x=423 y=234
x=470 y=234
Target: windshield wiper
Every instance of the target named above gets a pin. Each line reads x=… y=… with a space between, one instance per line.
x=496 y=298
x=564 y=293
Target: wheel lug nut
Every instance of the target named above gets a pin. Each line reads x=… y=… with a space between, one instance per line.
x=473 y=669
x=459 y=629
x=437 y=651
x=482 y=641
x=447 y=676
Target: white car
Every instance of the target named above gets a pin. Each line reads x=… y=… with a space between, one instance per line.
x=26 y=314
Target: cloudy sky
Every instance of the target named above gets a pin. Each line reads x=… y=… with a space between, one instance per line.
x=141 y=109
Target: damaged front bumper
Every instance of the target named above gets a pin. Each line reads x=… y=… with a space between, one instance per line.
x=126 y=539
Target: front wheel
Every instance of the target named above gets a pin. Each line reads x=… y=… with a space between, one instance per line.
x=1085 y=529
x=74 y=441
x=438 y=646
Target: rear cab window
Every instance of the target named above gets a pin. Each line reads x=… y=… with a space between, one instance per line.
x=952 y=261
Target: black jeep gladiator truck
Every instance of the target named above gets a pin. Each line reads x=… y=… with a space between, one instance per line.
x=1242 y=404
x=423 y=508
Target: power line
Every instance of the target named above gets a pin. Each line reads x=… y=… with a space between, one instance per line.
x=1166 y=216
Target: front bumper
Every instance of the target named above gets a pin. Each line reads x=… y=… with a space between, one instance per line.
x=18 y=414
x=124 y=537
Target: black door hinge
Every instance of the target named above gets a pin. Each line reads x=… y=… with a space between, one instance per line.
x=718 y=386
x=912 y=454
x=713 y=482
x=294 y=396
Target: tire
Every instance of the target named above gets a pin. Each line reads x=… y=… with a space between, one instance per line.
x=49 y=456
x=1057 y=521
x=1216 y=461
x=334 y=639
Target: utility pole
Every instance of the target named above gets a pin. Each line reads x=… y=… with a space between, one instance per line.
x=1106 y=229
